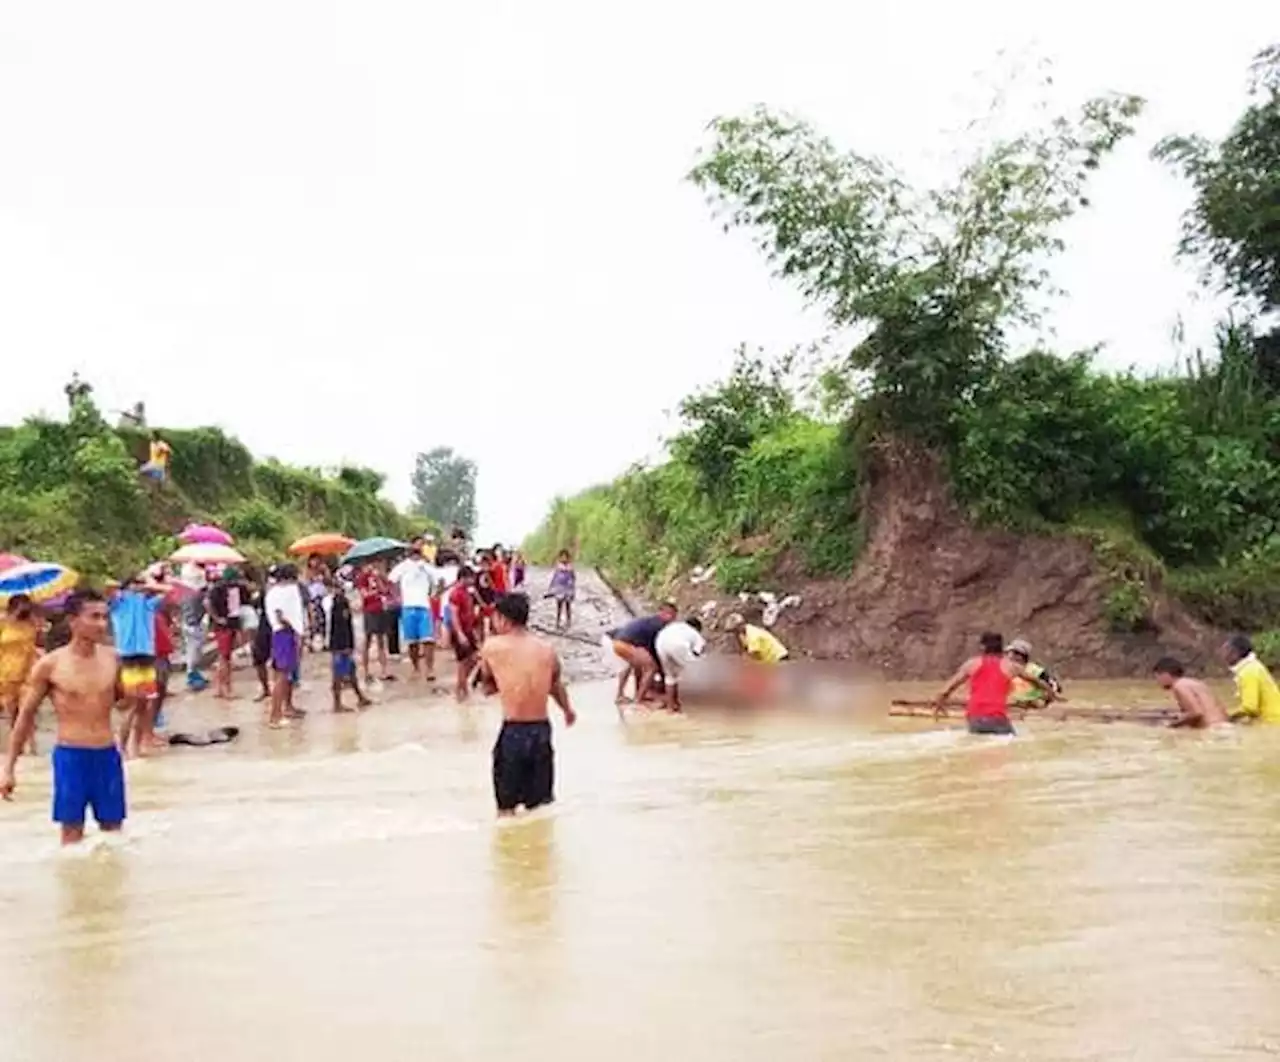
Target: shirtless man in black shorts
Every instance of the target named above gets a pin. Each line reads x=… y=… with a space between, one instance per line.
x=525 y=672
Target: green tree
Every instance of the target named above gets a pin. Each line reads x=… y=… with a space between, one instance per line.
x=1233 y=226
x=444 y=488
x=721 y=422
x=934 y=279
x=1234 y=223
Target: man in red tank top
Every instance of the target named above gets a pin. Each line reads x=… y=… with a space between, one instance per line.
x=990 y=677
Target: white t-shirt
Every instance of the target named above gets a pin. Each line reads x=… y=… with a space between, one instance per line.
x=284 y=598
x=679 y=642
x=416 y=579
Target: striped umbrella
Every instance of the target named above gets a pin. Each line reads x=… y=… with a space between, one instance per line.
x=11 y=560
x=206 y=553
x=39 y=581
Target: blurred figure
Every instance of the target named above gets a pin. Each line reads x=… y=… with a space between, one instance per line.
x=19 y=633
x=563 y=588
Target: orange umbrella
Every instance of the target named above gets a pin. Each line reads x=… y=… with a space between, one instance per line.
x=325 y=543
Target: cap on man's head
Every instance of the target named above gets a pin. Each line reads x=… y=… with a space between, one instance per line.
x=1020 y=647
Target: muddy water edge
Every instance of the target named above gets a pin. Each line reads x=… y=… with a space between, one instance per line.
x=704 y=889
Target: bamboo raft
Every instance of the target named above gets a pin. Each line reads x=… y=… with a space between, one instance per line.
x=1059 y=713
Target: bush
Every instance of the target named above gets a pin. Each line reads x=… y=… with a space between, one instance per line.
x=71 y=492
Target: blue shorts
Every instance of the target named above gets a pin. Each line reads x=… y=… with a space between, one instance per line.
x=416 y=626
x=344 y=665
x=88 y=778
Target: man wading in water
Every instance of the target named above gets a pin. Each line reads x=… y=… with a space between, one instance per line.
x=990 y=678
x=525 y=672
x=82 y=679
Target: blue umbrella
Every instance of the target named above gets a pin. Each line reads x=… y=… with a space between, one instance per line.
x=39 y=581
x=368 y=548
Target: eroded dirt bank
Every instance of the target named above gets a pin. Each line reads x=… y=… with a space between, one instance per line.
x=928 y=583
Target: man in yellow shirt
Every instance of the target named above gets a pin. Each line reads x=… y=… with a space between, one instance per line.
x=756 y=642
x=1255 y=687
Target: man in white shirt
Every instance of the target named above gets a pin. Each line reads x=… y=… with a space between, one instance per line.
x=288 y=620
x=417 y=581
x=679 y=643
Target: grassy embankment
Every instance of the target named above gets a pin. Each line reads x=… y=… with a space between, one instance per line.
x=70 y=492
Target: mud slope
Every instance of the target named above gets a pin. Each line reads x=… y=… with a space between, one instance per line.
x=929 y=582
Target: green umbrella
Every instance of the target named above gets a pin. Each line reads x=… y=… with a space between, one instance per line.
x=369 y=548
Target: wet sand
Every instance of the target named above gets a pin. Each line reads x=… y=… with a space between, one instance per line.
x=704 y=889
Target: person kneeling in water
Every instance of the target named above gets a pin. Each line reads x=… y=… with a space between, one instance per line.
x=1198 y=706
x=990 y=677
x=524 y=671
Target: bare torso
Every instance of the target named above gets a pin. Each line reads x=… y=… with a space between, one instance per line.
x=1197 y=702
x=82 y=687
x=525 y=670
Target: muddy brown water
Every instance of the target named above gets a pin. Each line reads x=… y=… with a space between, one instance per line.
x=778 y=888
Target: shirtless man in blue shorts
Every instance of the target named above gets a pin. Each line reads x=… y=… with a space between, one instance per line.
x=82 y=678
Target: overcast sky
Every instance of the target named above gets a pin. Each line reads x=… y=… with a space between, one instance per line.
x=351 y=231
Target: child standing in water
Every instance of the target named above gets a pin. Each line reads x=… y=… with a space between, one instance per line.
x=341 y=640
x=517 y=570
x=564 y=585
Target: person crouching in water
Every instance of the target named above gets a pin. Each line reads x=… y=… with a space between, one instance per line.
x=1026 y=694
x=341 y=640
x=1197 y=706
x=990 y=677
x=679 y=644
x=524 y=671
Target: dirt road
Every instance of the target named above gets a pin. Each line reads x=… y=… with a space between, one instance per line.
x=596 y=610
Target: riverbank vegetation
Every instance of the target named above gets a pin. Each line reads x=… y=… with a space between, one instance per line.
x=70 y=491
x=1175 y=477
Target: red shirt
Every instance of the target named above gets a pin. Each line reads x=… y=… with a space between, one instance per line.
x=373 y=590
x=164 y=635
x=498 y=575
x=463 y=606
x=989 y=687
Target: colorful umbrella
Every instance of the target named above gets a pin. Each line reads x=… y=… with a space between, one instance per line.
x=41 y=582
x=325 y=543
x=206 y=553
x=204 y=535
x=11 y=560
x=369 y=548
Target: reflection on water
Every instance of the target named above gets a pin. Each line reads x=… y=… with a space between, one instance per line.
x=706 y=888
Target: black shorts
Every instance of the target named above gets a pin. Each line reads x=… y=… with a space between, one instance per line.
x=524 y=766
x=463 y=648
x=375 y=624
x=990 y=724
x=262 y=644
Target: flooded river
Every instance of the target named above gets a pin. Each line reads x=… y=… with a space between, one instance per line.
x=703 y=890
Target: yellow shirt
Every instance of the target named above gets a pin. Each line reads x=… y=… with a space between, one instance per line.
x=17 y=651
x=160 y=451
x=764 y=646
x=429 y=552
x=1257 y=690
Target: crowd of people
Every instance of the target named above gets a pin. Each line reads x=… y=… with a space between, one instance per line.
x=105 y=660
